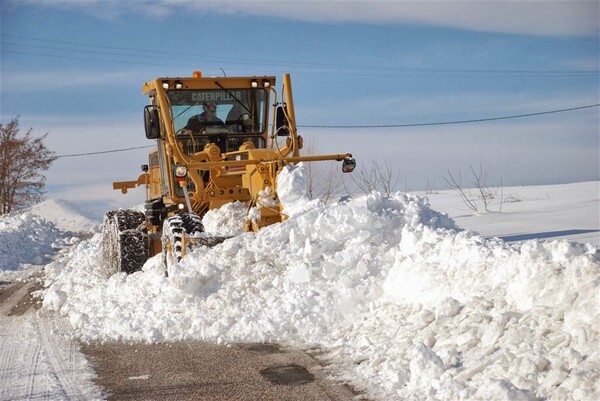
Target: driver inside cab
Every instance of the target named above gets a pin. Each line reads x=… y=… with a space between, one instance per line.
x=207 y=119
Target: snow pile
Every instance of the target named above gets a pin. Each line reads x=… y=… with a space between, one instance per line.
x=291 y=189
x=403 y=304
x=26 y=239
x=228 y=220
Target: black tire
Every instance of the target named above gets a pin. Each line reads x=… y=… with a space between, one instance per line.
x=174 y=228
x=155 y=211
x=191 y=223
x=125 y=244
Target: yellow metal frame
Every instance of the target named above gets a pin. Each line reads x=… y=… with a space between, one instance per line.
x=230 y=179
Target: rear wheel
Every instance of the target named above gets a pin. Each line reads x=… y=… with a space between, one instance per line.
x=125 y=245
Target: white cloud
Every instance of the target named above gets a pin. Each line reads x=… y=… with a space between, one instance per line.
x=537 y=17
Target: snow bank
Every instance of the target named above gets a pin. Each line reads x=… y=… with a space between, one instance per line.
x=403 y=304
x=26 y=239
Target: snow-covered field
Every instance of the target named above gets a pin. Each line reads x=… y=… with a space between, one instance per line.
x=403 y=303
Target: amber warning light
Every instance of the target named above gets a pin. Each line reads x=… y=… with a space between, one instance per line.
x=197 y=74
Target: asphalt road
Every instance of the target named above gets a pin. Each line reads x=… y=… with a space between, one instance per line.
x=194 y=370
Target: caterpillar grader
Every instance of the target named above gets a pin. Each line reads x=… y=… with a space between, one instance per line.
x=218 y=140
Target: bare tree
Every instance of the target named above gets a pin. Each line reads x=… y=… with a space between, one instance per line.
x=431 y=188
x=365 y=179
x=484 y=194
x=379 y=177
x=311 y=171
x=23 y=158
x=324 y=180
x=388 y=181
x=456 y=185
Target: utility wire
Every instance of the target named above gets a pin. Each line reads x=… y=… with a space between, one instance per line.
x=373 y=126
x=232 y=60
x=352 y=71
x=121 y=61
x=102 y=152
x=451 y=122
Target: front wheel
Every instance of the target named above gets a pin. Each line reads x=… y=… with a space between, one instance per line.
x=175 y=229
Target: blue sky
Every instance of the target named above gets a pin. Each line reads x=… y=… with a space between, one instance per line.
x=74 y=69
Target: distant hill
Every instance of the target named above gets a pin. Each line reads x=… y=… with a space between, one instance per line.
x=64 y=215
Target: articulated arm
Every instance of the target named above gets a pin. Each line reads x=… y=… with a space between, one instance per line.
x=125 y=185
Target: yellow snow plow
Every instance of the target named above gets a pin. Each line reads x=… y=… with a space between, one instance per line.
x=218 y=140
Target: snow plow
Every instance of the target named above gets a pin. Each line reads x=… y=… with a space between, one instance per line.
x=218 y=140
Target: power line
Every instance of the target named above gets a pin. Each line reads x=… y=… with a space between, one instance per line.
x=121 y=61
x=102 y=152
x=358 y=69
x=374 y=126
x=325 y=70
x=451 y=122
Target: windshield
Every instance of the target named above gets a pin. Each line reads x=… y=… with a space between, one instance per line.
x=236 y=111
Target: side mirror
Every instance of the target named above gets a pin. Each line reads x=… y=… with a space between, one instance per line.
x=152 y=122
x=281 y=122
x=348 y=165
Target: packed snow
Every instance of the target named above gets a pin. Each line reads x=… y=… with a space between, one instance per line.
x=40 y=361
x=38 y=357
x=400 y=301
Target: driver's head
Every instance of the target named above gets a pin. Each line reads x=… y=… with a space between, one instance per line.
x=210 y=107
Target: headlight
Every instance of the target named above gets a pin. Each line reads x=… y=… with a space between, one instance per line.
x=180 y=171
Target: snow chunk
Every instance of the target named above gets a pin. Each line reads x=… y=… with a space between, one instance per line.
x=292 y=184
x=225 y=221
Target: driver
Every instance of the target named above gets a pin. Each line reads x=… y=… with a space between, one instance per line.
x=207 y=119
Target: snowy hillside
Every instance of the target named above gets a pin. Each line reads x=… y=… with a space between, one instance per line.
x=568 y=211
x=64 y=215
x=401 y=302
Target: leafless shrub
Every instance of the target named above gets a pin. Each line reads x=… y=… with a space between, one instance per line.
x=324 y=181
x=378 y=177
x=483 y=194
x=486 y=194
x=431 y=188
x=456 y=185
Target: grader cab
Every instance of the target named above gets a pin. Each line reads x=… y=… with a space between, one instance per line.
x=218 y=140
